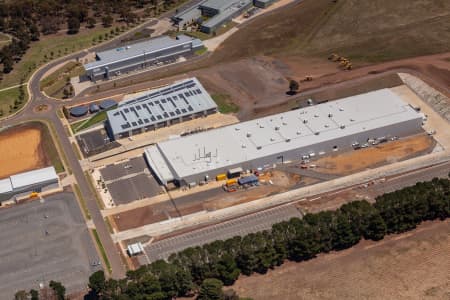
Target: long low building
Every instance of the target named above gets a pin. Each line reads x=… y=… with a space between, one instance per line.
x=140 y=55
x=315 y=130
x=179 y=102
x=24 y=183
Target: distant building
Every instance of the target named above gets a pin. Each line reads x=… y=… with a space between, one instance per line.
x=290 y=136
x=23 y=184
x=179 y=102
x=140 y=55
x=218 y=12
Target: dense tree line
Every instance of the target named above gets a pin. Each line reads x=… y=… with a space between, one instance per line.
x=203 y=269
x=26 y=20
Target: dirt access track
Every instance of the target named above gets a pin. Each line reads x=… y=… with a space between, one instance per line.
x=398 y=267
x=22 y=149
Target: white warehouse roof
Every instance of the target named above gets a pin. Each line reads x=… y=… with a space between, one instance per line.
x=235 y=144
x=5 y=186
x=33 y=177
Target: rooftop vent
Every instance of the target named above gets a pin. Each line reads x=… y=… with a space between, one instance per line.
x=261 y=126
x=272 y=139
x=237 y=128
x=305 y=121
x=277 y=128
x=316 y=115
x=258 y=147
x=243 y=146
x=352 y=120
x=341 y=109
x=287 y=140
x=326 y=125
x=249 y=134
x=342 y=126
x=330 y=115
x=298 y=132
x=284 y=123
x=317 y=133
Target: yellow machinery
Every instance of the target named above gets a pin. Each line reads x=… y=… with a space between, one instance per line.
x=221 y=177
x=34 y=195
x=231 y=182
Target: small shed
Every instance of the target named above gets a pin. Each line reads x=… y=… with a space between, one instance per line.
x=135 y=249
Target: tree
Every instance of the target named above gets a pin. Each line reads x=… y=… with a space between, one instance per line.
x=66 y=93
x=90 y=22
x=21 y=295
x=73 y=25
x=59 y=289
x=376 y=229
x=97 y=282
x=107 y=21
x=293 y=87
x=211 y=289
x=34 y=295
x=7 y=63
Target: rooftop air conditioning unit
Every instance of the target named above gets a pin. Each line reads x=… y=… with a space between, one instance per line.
x=249 y=134
x=330 y=115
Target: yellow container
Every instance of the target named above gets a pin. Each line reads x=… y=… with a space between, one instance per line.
x=220 y=177
x=231 y=181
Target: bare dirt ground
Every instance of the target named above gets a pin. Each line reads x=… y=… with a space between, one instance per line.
x=413 y=265
x=393 y=151
x=211 y=200
x=21 y=150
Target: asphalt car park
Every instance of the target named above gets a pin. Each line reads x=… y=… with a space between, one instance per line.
x=130 y=180
x=237 y=227
x=45 y=240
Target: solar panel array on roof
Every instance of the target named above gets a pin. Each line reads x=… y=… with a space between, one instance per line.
x=173 y=102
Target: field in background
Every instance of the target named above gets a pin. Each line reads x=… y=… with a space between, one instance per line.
x=7 y=99
x=398 y=267
x=364 y=31
x=26 y=147
x=59 y=44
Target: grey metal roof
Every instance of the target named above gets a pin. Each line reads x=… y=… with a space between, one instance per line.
x=216 y=4
x=138 y=49
x=172 y=102
x=33 y=177
x=235 y=144
x=191 y=13
x=5 y=186
x=234 y=8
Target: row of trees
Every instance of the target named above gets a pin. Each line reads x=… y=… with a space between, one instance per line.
x=203 y=269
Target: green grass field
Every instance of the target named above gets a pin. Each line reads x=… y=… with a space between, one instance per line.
x=82 y=202
x=224 y=103
x=50 y=148
x=41 y=51
x=53 y=85
x=80 y=125
x=7 y=99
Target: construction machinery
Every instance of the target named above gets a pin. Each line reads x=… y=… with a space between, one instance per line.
x=307 y=78
x=34 y=195
x=333 y=57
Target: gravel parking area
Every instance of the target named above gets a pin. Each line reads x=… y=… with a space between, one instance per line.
x=134 y=188
x=42 y=241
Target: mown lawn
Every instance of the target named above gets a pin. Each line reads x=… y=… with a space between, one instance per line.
x=7 y=99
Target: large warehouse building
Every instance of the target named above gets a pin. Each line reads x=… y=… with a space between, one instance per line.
x=217 y=12
x=289 y=136
x=140 y=55
x=24 y=183
x=176 y=103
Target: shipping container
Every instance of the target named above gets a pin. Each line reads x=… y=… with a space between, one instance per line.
x=221 y=177
x=251 y=179
x=233 y=173
x=231 y=181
